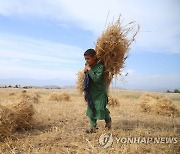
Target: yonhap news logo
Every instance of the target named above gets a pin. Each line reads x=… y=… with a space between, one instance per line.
x=107 y=139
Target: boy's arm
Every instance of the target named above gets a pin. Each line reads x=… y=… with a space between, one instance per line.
x=96 y=75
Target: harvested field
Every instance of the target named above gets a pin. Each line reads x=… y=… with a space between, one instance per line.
x=59 y=127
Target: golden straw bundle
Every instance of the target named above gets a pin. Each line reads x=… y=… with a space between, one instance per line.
x=24 y=112
x=159 y=105
x=7 y=122
x=30 y=97
x=80 y=81
x=15 y=116
x=112 y=101
x=111 y=50
x=59 y=97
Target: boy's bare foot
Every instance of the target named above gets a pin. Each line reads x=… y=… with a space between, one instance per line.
x=91 y=130
x=108 y=125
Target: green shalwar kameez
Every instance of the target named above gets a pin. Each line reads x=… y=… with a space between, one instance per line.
x=98 y=95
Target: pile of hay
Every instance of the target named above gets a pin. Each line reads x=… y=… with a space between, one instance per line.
x=59 y=97
x=111 y=50
x=7 y=124
x=112 y=101
x=24 y=91
x=31 y=97
x=12 y=94
x=17 y=116
x=24 y=112
x=158 y=104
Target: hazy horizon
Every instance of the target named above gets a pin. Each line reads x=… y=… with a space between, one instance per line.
x=65 y=83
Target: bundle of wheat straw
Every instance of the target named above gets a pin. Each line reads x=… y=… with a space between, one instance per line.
x=112 y=101
x=80 y=81
x=65 y=96
x=59 y=97
x=111 y=50
x=24 y=112
x=16 y=116
x=157 y=104
x=7 y=122
x=30 y=97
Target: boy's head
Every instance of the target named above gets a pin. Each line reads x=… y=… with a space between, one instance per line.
x=90 y=57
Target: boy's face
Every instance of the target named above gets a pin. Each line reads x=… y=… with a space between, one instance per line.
x=90 y=60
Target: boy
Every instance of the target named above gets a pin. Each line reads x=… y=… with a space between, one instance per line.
x=95 y=91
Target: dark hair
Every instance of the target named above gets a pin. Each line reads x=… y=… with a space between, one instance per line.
x=90 y=52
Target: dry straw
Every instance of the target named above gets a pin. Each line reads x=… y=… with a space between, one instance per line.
x=7 y=122
x=158 y=104
x=112 y=50
x=80 y=81
x=112 y=101
x=59 y=97
x=12 y=94
x=17 y=116
x=24 y=91
x=30 y=97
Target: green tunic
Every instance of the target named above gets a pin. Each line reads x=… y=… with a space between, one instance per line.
x=98 y=93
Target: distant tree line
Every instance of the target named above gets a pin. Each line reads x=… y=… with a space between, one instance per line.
x=175 y=91
x=28 y=87
x=16 y=86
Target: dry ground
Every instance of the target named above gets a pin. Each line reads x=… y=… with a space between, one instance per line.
x=59 y=125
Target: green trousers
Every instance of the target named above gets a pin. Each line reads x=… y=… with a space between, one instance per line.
x=107 y=119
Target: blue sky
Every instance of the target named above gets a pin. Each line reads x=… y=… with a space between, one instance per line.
x=45 y=40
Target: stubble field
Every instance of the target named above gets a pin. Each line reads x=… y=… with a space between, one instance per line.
x=58 y=123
